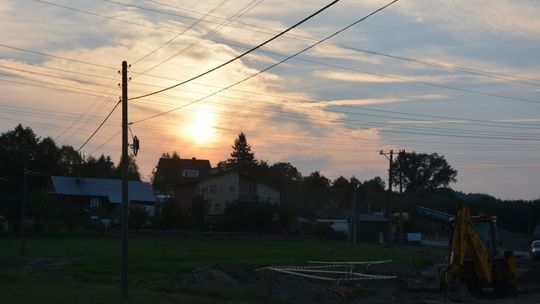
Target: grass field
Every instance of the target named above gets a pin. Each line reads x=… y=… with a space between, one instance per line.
x=85 y=268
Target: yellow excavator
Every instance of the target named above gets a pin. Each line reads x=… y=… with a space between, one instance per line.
x=474 y=260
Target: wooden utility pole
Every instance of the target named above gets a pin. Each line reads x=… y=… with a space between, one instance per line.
x=390 y=156
x=125 y=199
x=400 y=158
x=24 y=202
x=353 y=225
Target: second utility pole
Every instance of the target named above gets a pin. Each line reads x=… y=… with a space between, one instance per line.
x=125 y=199
x=390 y=156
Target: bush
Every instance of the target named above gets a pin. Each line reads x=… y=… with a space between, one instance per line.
x=248 y=217
x=137 y=217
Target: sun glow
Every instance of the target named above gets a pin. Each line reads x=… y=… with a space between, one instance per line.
x=201 y=126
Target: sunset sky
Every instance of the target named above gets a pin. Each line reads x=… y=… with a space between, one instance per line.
x=458 y=78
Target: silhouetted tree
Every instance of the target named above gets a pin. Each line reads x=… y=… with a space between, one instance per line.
x=316 y=192
x=133 y=170
x=102 y=167
x=242 y=151
x=137 y=217
x=242 y=159
x=423 y=171
x=166 y=174
x=199 y=210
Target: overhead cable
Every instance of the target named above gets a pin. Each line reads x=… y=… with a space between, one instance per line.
x=266 y=69
x=243 y=54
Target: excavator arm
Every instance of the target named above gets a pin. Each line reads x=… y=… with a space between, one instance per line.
x=466 y=242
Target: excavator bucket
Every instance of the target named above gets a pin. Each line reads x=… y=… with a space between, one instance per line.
x=458 y=292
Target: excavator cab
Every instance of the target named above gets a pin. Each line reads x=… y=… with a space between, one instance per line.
x=486 y=227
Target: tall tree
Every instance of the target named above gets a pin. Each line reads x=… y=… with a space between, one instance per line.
x=423 y=171
x=316 y=193
x=242 y=158
x=133 y=169
x=166 y=173
x=102 y=167
x=242 y=151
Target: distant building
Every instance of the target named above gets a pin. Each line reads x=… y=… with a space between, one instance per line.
x=101 y=196
x=369 y=228
x=225 y=187
x=173 y=171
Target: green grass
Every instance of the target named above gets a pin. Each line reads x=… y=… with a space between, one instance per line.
x=58 y=269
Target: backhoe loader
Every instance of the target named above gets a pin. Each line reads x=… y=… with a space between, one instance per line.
x=474 y=261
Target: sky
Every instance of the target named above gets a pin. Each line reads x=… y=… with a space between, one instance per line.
x=458 y=78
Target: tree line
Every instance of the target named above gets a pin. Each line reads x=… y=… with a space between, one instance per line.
x=425 y=179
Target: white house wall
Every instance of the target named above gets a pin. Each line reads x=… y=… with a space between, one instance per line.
x=223 y=195
x=267 y=194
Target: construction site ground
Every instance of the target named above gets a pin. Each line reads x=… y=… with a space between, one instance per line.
x=412 y=285
x=231 y=269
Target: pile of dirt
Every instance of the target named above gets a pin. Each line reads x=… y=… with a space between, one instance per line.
x=272 y=287
x=208 y=278
x=394 y=268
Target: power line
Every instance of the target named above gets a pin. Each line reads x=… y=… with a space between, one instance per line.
x=452 y=67
x=55 y=56
x=99 y=127
x=237 y=15
x=243 y=54
x=179 y=34
x=478 y=72
x=456 y=120
x=271 y=66
x=493 y=123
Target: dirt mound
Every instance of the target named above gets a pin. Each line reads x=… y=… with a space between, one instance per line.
x=208 y=278
x=272 y=287
x=399 y=269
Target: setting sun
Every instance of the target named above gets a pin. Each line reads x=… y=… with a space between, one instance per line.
x=201 y=126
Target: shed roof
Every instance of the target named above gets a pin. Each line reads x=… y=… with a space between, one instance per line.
x=110 y=188
x=372 y=218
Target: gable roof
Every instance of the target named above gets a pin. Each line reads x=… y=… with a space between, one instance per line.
x=110 y=188
x=221 y=173
x=169 y=171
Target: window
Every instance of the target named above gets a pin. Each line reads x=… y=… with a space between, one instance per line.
x=190 y=173
x=211 y=189
x=231 y=189
x=94 y=202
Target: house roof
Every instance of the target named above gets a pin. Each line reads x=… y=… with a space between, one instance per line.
x=371 y=218
x=101 y=187
x=223 y=173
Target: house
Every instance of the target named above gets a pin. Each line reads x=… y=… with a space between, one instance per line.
x=225 y=187
x=369 y=228
x=101 y=196
x=176 y=170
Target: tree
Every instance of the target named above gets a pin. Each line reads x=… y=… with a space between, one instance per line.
x=242 y=151
x=137 y=217
x=69 y=160
x=316 y=192
x=102 y=167
x=199 y=210
x=13 y=144
x=423 y=171
x=166 y=174
x=242 y=159
x=133 y=169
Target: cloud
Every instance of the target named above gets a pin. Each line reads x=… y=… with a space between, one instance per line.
x=470 y=20
x=369 y=77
